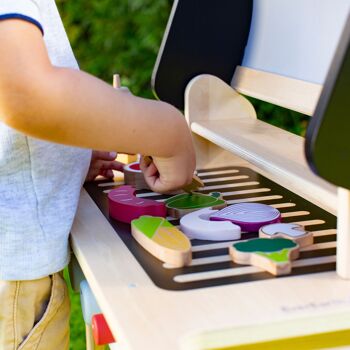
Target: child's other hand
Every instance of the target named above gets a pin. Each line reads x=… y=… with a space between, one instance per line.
x=103 y=163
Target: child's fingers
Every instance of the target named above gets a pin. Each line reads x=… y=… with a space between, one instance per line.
x=149 y=170
x=143 y=164
x=115 y=166
x=152 y=176
x=109 y=174
x=147 y=165
x=157 y=182
x=103 y=173
x=102 y=165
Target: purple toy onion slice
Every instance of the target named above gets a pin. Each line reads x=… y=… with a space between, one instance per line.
x=249 y=216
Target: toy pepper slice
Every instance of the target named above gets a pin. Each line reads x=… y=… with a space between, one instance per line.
x=185 y=203
x=163 y=240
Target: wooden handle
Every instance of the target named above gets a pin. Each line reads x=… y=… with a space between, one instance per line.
x=194 y=185
x=100 y=330
x=148 y=160
x=116 y=81
x=127 y=158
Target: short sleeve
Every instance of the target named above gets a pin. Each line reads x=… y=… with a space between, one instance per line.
x=27 y=10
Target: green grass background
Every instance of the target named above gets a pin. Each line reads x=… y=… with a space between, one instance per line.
x=123 y=36
x=77 y=325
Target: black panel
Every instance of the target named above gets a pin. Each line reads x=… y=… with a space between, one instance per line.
x=328 y=134
x=202 y=36
x=164 y=278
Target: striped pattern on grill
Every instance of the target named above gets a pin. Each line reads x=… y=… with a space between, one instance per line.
x=211 y=265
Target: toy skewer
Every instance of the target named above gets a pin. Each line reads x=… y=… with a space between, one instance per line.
x=128 y=158
x=194 y=185
x=116 y=81
x=148 y=160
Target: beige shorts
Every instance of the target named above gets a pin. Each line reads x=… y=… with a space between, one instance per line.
x=34 y=315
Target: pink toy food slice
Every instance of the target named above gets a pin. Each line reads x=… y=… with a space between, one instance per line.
x=295 y=232
x=249 y=216
x=197 y=225
x=124 y=206
x=185 y=203
x=163 y=240
x=273 y=255
x=133 y=176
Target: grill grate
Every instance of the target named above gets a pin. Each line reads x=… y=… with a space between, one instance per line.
x=211 y=265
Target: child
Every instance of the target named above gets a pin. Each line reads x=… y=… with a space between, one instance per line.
x=44 y=96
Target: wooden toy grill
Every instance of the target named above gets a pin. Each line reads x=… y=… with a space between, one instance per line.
x=211 y=264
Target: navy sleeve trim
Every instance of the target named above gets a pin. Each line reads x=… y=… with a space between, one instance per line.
x=23 y=17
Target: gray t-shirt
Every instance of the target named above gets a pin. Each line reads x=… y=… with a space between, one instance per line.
x=40 y=181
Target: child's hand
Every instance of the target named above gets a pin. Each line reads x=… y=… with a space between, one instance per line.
x=168 y=174
x=102 y=163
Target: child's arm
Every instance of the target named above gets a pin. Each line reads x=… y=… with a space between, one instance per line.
x=74 y=108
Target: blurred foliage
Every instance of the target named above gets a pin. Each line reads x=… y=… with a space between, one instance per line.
x=117 y=36
x=123 y=36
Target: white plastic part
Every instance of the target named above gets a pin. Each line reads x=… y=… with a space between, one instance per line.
x=89 y=304
x=196 y=225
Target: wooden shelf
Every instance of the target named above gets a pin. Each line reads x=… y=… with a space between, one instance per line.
x=297 y=95
x=277 y=152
